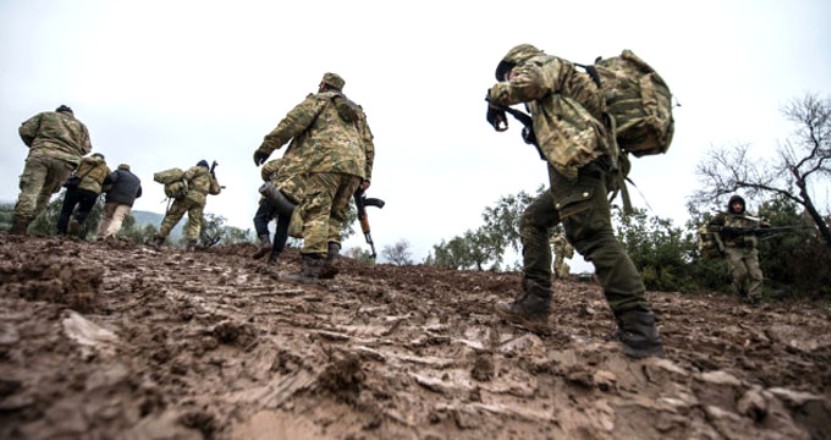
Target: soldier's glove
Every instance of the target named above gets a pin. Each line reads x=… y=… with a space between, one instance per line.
x=496 y=116
x=260 y=157
x=528 y=136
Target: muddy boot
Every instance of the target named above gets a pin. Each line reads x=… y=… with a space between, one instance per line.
x=157 y=242
x=329 y=269
x=19 y=226
x=530 y=310
x=638 y=334
x=74 y=228
x=265 y=247
x=310 y=268
x=192 y=246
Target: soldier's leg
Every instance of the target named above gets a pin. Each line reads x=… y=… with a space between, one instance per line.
x=194 y=225
x=754 y=275
x=316 y=209
x=86 y=201
x=737 y=268
x=171 y=218
x=31 y=184
x=340 y=206
x=71 y=198
x=586 y=216
x=57 y=171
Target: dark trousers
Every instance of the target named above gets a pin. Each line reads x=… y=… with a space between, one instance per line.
x=84 y=199
x=263 y=216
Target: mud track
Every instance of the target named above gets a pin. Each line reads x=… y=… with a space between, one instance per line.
x=112 y=340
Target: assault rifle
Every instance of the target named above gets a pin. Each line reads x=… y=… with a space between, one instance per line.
x=496 y=117
x=764 y=232
x=361 y=202
x=213 y=167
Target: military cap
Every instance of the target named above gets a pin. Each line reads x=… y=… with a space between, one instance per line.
x=203 y=163
x=516 y=55
x=98 y=155
x=334 y=80
x=63 y=108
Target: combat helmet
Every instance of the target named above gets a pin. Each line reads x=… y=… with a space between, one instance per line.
x=516 y=55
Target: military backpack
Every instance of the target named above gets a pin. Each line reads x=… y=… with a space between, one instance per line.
x=639 y=102
x=709 y=242
x=173 y=179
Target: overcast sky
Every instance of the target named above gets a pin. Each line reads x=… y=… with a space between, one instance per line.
x=168 y=83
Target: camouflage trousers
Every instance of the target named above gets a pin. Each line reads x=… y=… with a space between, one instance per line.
x=178 y=209
x=42 y=176
x=582 y=207
x=324 y=208
x=561 y=269
x=743 y=264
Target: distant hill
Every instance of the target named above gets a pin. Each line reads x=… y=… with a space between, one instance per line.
x=155 y=219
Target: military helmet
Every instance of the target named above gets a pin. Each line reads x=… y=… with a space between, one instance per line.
x=334 y=80
x=64 y=108
x=516 y=55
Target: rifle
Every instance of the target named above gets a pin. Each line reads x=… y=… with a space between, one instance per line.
x=213 y=167
x=496 y=117
x=361 y=202
x=767 y=233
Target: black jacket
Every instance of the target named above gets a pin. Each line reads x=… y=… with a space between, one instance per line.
x=126 y=188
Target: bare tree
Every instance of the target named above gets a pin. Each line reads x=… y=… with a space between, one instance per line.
x=801 y=160
x=398 y=254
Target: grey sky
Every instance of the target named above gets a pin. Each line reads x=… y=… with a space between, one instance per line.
x=167 y=83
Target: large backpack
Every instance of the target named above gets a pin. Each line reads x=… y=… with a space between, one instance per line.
x=639 y=101
x=173 y=179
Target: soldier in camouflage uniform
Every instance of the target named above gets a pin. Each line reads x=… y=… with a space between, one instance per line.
x=562 y=249
x=333 y=144
x=287 y=186
x=740 y=248
x=94 y=174
x=57 y=142
x=201 y=182
x=567 y=109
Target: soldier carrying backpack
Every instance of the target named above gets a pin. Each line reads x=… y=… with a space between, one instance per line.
x=575 y=135
x=189 y=191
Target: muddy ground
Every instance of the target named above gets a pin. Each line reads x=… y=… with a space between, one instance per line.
x=113 y=340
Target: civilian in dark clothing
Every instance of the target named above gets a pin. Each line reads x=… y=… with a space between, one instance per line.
x=125 y=189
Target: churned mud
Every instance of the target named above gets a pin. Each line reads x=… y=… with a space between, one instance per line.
x=112 y=340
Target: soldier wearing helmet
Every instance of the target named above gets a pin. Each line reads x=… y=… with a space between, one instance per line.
x=567 y=109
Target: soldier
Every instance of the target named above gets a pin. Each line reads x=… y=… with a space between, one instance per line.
x=567 y=109
x=92 y=174
x=740 y=248
x=282 y=191
x=57 y=142
x=125 y=188
x=333 y=145
x=200 y=183
x=562 y=249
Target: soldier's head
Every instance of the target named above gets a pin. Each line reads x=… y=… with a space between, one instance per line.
x=98 y=155
x=124 y=167
x=203 y=163
x=736 y=205
x=517 y=55
x=64 y=109
x=331 y=81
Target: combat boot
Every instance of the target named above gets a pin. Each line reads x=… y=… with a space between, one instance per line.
x=192 y=245
x=157 y=242
x=310 y=268
x=74 y=228
x=265 y=247
x=330 y=269
x=19 y=226
x=638 y=334
x=530 y=310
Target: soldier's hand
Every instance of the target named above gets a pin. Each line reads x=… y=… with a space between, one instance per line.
x=496 y=117
x=260 y=157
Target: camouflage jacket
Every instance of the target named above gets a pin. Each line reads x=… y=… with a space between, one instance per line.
x=566 y=107
x=93 y=172
x=200 y=184
x=323 y=139
x=56 y=134
x=740 y=221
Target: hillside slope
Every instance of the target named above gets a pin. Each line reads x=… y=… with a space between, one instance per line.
x=113 y=340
